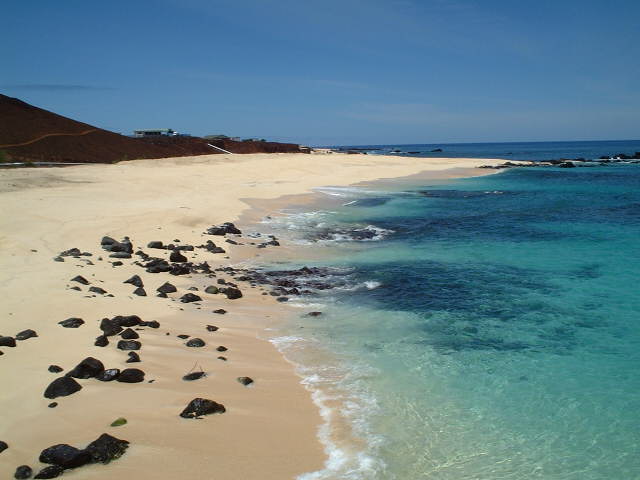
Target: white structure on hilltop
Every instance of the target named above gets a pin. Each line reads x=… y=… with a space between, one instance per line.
x=157 y=132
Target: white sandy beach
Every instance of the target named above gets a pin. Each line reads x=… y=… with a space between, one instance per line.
x=269 y=430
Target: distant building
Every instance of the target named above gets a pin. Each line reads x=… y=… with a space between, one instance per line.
x=221 y=137
x=158 y=132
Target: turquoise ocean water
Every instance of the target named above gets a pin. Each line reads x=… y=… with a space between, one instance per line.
x=486 y=328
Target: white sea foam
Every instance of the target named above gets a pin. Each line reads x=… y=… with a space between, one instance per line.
x=328 y=384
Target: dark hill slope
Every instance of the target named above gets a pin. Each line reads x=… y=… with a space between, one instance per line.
x=29 y=133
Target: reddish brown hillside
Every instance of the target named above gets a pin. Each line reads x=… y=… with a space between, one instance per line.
x=29 y=133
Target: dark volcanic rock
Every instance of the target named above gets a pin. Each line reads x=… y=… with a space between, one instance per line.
x=220 y=311
x=61 y=387
x=106 y=448
x=201 y=406
x=98 y=290
x=245 y=380
x=190 y=297
x=53 y=405
x=80 y=279
x=162 y=295
x=88 y=368
x=129 y=334
x=133 y=358
x=232 y=293
x=222 y=348
x=129 y=345
x=150 y=324
x=184 y=337
x=51 y=471
x=131 y=375
x=176 y=256
x=195 y=342
x=127 y=320
x=3 y=446
x=23 y=472
x=71 y=322
x=140 y=292
x=23 y=335
x=109 y=375
x=157 y=265
x=155 y=244
x=212 y=289
x=7 y=342
x=55 y=369
x=166 y=288
x=193 y=376
x=211 y=247
x=223 y=229
x=180 y=269
x=211 y=328
x=101 y=341
x=136 y=281
x=65 y=456
x=109 y=327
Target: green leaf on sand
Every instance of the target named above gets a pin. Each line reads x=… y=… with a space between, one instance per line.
x=118 y=422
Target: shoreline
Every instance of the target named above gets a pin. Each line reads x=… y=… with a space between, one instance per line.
x=75 y=207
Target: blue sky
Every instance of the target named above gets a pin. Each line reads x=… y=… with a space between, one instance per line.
x=333 y=72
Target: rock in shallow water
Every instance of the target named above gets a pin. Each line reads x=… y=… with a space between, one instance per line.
x=62 y=387
x=202 y=406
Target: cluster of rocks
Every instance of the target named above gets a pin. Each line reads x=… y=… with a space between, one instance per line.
x=88 y=368
x=621 y=156
x=8 y=341
x=570 y=162
x=63 y=457
x=106 y=448
x=224 y=229
x=72 y=252
x=122 y=249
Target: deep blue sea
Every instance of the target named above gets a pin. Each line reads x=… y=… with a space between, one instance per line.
x=508 y=150
x=488 y=327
